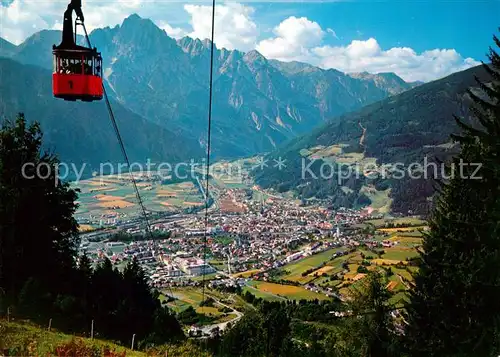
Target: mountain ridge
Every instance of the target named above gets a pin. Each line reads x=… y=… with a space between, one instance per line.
x=258 y=104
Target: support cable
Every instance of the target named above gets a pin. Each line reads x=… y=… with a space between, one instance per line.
x=124 y=153
x=209 y=142
x=122 y=146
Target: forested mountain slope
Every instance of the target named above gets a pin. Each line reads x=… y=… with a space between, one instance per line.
x=402 y=129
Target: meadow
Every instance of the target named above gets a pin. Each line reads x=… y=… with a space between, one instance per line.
x=401 y=221
x=186 y=297
x=291 y=292
x=246 y=274
x=111 y=196
x=294 y=270
x=345 y=272
x=399 y=253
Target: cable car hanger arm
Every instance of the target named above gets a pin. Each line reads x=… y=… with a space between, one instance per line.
x=68 y=32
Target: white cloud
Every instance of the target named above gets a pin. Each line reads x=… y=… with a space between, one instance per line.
x=20 y=18
x=295 y=38
x=174 y=32
x=368 y=56
x=332 y=32
x=234 y=26
x=300 y=39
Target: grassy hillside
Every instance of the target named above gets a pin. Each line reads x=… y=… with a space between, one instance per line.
x=22 y=338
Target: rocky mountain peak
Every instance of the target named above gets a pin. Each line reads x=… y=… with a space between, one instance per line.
x=256 y=58
x=260 y=103
x=192 y=46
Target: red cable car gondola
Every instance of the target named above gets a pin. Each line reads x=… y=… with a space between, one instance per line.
x=77 y=69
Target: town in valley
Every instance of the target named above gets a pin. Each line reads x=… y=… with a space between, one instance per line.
x=269 y=244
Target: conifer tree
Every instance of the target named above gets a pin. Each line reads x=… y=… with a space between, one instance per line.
x=38 y=234
x=85 y=272
x=371 y=325
x=454 y=306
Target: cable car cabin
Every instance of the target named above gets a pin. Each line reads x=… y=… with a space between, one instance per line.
x=77 y=74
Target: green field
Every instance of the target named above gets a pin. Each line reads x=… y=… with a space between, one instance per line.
x=398 y=299
x=263 y=295
x=405 y=274
x=116 y=196
x=403 y=221
x=295 y=269
x=399 y=253
x=22 y=338
x=272 y=291
x=233 y=174
x=207 y=277
x=186 y=297
x=380 y=200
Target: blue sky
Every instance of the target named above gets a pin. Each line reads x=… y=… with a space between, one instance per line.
x=466 y=26
x=418 y=40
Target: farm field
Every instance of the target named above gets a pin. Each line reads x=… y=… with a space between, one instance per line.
x=262 y=294
x=402 y=221
x=233 y=174
x=406 y=240
x=111 y=196
x=387 y=261
x=286 y=291
x=246 y=274
x=399 y=253
x=401 y=229
x=187 y=297
x=398 y=299
x=295 y=269
x=405 y=274
x=207 y=277
x=349 y=270
x=321 y=271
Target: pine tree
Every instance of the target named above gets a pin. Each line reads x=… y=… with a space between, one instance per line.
x=454 y=306
x=106 y=293
x=85 y=272
x=372 y=326
x=38 y=234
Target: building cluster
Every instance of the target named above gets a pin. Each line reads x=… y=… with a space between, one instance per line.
x=256 y=235
x=193 y=266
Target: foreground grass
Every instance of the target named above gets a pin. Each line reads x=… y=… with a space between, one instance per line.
x=26 y=339
x=22 y=338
